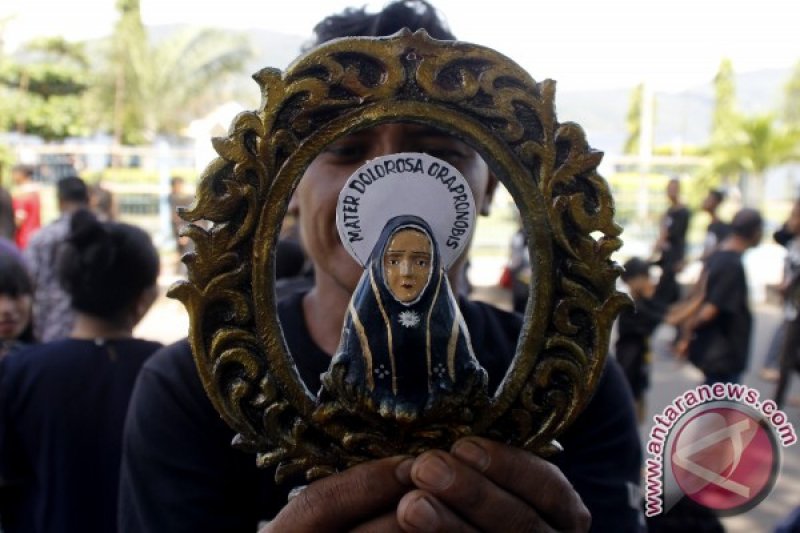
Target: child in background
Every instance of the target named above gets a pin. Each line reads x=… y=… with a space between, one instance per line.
x=635 y=326
x=16 y=300
x=790 y=289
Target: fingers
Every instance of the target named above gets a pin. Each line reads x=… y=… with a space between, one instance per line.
x=383 y=524
x=466 y=493
x=532 y=479
x=340 y=501
x=418 y=511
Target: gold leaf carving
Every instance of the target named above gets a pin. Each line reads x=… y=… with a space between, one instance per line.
x=350 y=84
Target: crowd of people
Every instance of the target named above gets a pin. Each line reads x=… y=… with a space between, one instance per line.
x=101 y=431
x=69 y=300
x=712 y=318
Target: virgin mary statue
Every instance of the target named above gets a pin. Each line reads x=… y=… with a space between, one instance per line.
x=405 y=353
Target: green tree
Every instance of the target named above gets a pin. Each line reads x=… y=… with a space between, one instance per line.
x=42 y=88
x=128 y=45
x=633 y=121
x=724 y=118
x=725 y=122
x=156 y=88
x=755 y=145
x=791 y=100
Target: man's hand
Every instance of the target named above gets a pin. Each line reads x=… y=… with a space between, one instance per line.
x=480 y=485
x=483 y=485
x=364 y=493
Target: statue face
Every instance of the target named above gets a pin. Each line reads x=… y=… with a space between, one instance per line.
x=407 y=264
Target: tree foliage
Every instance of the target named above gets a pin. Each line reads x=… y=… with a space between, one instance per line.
x=42 y=89
x=150 y=88
x=130 y=85
x=724 y=117
x=791 y=100
x=747 y=146
x=633 y=120
x=757 y=143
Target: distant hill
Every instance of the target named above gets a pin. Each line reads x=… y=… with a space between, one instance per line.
x=270 y=49
x=684 y=116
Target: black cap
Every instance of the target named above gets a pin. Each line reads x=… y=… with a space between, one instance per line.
x=634 y=268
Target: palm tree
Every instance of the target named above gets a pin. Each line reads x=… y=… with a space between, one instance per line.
x=41 y=88
x=757 y=144
x=180 y=76
x=633 y=120
x=156 y=88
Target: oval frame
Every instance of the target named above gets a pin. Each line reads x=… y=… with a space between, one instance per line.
x=349 y=84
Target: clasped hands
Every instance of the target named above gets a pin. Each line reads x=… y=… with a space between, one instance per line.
x=480 y=485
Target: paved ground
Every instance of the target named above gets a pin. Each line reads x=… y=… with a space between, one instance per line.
x=669 y=379
x=167 y=322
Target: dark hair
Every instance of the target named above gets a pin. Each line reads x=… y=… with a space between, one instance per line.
x=72 y=189
x=747 y=223
x=15 y=282
x=105 y=267
x=717 y=194
x=174 y=180
x=635 y=267
x=23 y=169
x=411 y=14
x=14 y=277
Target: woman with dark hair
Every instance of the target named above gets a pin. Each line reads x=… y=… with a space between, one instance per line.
x=63 y=403
x=16 y=302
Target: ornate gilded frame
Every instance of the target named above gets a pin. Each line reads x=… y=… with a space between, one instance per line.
x=471 y=92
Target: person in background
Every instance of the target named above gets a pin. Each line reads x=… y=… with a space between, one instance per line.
x=8 y=226
x=291 y=262
x=9 y=248
x=790 y=289
x=716 y=336
x=770 y=370
x=670 y=248
x=178 y=197
x=519 y=270
x=63 y=403
x=16 y=299
x=179 y=472
x=27 y=204
x=634 y=328
x=717 y=229
x=101 y=202
x=52 y=315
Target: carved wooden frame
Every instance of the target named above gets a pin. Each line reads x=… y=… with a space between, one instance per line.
x=475 y=94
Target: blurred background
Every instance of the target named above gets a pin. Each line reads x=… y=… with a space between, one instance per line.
x=127 y=94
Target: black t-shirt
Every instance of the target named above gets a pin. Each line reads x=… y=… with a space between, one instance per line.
x=634 y=327
x=62 y=407
x=717 y=232
x=180 y=473
x=677 y=222
x=723 y=344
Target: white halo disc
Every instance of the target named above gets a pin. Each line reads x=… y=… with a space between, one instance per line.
x=406 y=184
